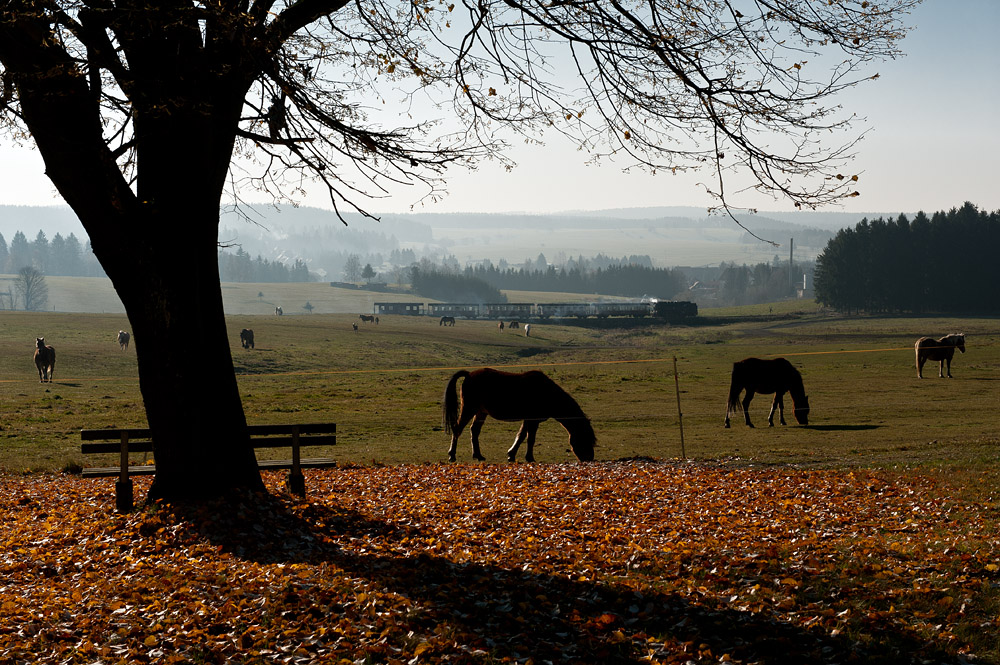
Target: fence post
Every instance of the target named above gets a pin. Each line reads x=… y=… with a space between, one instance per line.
x=680 y=416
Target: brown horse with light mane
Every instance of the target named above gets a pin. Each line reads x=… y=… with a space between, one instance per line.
x=530 y=396
x=942 y=350
x=45 y=360
x=767 y=376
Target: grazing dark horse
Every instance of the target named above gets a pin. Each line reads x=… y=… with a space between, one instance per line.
x=942 y=350
x=367 y=318
x=447 y=321
x=500 y=326
x=278 y=311
x=45 y=360
x=530 y=396
x=355 y=326
x=514 y=325
x=767 y=376
x=123 y=338
x=246 y=338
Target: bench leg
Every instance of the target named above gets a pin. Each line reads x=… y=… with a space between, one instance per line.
x=123 y=495
x=296 y=483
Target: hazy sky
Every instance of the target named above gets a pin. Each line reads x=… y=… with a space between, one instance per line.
x=934 y=141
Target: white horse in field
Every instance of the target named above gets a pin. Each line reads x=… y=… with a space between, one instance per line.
x=942 y=350
x=123 y=338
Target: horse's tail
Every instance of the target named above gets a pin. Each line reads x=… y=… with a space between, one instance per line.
x=733 y=405
x=449 y=411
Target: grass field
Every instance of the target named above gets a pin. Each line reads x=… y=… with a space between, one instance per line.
x=869 y=536
x=383 y=386
x=96 y=295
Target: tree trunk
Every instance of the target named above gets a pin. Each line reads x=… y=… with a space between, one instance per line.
x=173 y=297
x=158 y=243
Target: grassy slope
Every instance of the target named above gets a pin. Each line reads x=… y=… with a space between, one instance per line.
x=96 y=295
x=383 y=386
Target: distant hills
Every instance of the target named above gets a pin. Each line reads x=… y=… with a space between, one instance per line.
x=671 y=236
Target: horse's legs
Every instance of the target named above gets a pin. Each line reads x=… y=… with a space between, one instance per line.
x=920 y=365
x=746 y=407
x=529 y=454
x=456 y=431
x=526 y=433
x=779 y=404
x=477 y=424
x=947 y=360
x=521 y=434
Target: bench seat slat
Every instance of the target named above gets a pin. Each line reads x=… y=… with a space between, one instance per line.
x=149 y=469
x=115 y=471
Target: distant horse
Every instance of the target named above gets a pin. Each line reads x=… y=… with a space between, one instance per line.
x=767 y=376
x=355 y=326
x=500 y=326
x=527 y=330
x=530 y=396
x=246 y=338
x=45 y=360
x=123 y=338
x=367 y=318
x=447 y=321
x=942 y=350
x=514 y=325
x=278 y=311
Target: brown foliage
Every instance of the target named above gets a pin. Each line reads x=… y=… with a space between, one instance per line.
x=606 y=562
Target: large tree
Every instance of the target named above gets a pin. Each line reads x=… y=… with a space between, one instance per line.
x=138 y=108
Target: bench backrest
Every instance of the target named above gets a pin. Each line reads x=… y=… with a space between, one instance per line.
x=139 y=439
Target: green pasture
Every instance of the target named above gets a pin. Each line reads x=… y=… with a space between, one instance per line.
x=383 y=384
x=96 y=295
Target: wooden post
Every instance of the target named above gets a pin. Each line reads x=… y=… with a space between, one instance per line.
x=296 y=481
x=123 y=486
x=680 y=416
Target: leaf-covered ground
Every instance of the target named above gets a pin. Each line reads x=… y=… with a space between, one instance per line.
x=618 y=562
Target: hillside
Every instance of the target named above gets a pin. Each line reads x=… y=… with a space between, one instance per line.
x=95 y=295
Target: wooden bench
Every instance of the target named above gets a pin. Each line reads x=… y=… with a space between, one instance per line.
x=139 y=440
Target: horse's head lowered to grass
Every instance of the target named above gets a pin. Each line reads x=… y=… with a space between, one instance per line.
x=530 y=397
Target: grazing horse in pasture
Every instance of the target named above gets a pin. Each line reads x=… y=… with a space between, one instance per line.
x=767 y=376
x=527 y=330
x=500 y=326
x=123 y=338
x=941 y=350
x=447 y=321
x=530 y=396
x=45 y=360
x=246 y=338
x=355 y=326
x=278 y=311
x=514 y=325
x=367 y=318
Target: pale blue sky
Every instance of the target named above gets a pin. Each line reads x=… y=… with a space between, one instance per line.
x=934 y=141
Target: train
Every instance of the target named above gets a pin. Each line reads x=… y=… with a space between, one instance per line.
x=670 y=310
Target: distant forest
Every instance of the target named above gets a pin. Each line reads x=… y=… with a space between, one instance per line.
x=59 y=256
x=943 y=263
x=483 y=283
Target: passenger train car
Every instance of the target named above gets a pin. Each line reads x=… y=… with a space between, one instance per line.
x=670 y=310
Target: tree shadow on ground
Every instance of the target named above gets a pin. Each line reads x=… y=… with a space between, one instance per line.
x=515 y=613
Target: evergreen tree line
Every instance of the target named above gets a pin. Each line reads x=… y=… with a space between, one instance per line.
x=943 y=263
x=451 y=287
x=627 y=280
x=240 y=267
x=59 y=256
